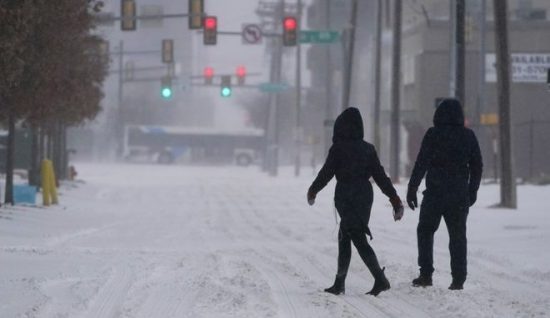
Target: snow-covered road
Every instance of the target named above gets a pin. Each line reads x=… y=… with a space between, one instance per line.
x=153 y=241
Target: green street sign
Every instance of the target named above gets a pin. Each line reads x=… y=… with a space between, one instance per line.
x=273 y=87
x=321 y=37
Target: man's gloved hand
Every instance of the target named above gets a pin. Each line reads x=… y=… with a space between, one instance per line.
x=473 y=197
x=397 y=208
x=311 y=197
x=412 y=201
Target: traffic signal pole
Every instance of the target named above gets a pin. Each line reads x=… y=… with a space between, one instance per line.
x=119 y=121
x=396 y=92
x=329 y=116
x=299 y=134
x=349 y=60
x=508 y=191
x=482 y=49
x=275 y=77
x=377 y=77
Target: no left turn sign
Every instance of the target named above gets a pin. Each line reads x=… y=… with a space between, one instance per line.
x=251 y=34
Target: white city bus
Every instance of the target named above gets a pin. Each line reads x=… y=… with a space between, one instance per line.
x=170 y=144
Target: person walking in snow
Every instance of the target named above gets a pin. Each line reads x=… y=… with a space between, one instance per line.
x=354 y=161
x=451 y=160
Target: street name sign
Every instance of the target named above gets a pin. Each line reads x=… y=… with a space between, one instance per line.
x=273 y=87
x=319 y=37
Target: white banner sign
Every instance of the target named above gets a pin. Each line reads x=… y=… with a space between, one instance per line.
x=526 y=68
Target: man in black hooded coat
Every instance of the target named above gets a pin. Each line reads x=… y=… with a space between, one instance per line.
x=353 y=161
x=451 y=160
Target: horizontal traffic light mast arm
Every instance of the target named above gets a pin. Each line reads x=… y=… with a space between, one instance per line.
x=229 y=74
x=143 y=69
x=233 y=86
x=142 y=52
x=240 y=33
x=238 y=87
x=152 y=79
x=150 y=17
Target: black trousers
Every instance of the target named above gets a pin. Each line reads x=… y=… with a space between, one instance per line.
x=359 y=239
x=455 y=215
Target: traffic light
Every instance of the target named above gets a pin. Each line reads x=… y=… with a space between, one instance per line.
x=128 y=14
x=129 y=71
x=168 y=51
x=241 y=73
x=166 y=87
x=208 y=75
x=103 y=48
x=196 y=11
x=290 y=31
x=210 y=28
x=226 y=86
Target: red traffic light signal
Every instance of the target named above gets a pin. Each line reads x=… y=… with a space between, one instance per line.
x=241 y=73
x=211 y=22
x=208 y=75
x=290 y=23
x=210 y=30
x=290 y=31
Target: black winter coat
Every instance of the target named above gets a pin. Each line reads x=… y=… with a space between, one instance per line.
x=450 y=156
x=353 y=161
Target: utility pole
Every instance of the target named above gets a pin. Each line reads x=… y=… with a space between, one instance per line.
x=458 y=49
x=452 y=48
x=327 y=125
x=275 y=76
x=508 y=194
x=482 y=49
x=395 y=91
x=298 y=94
x=377 y=76
x=119 y=130
x=349 y=61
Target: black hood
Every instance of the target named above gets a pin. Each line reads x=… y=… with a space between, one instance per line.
x=348 y=126
x=449 y=112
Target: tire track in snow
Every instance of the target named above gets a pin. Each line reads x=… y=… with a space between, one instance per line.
x=109 y=299
x=291 y=306
x=162 y=292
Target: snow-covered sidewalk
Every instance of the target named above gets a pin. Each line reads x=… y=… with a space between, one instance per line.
x=157 y=241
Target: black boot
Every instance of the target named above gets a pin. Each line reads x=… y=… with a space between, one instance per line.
x=457 y=284
x=422 y=281
x=381 y=283
x=339 y=286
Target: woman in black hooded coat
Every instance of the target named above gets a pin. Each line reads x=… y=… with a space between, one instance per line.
x=354 y=161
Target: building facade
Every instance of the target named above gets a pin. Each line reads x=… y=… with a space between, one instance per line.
x=426 y=69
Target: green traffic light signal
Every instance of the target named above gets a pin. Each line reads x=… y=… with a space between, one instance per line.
x=166 y=87
x=166 y=92
x=226 y=86
x=226 y=91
